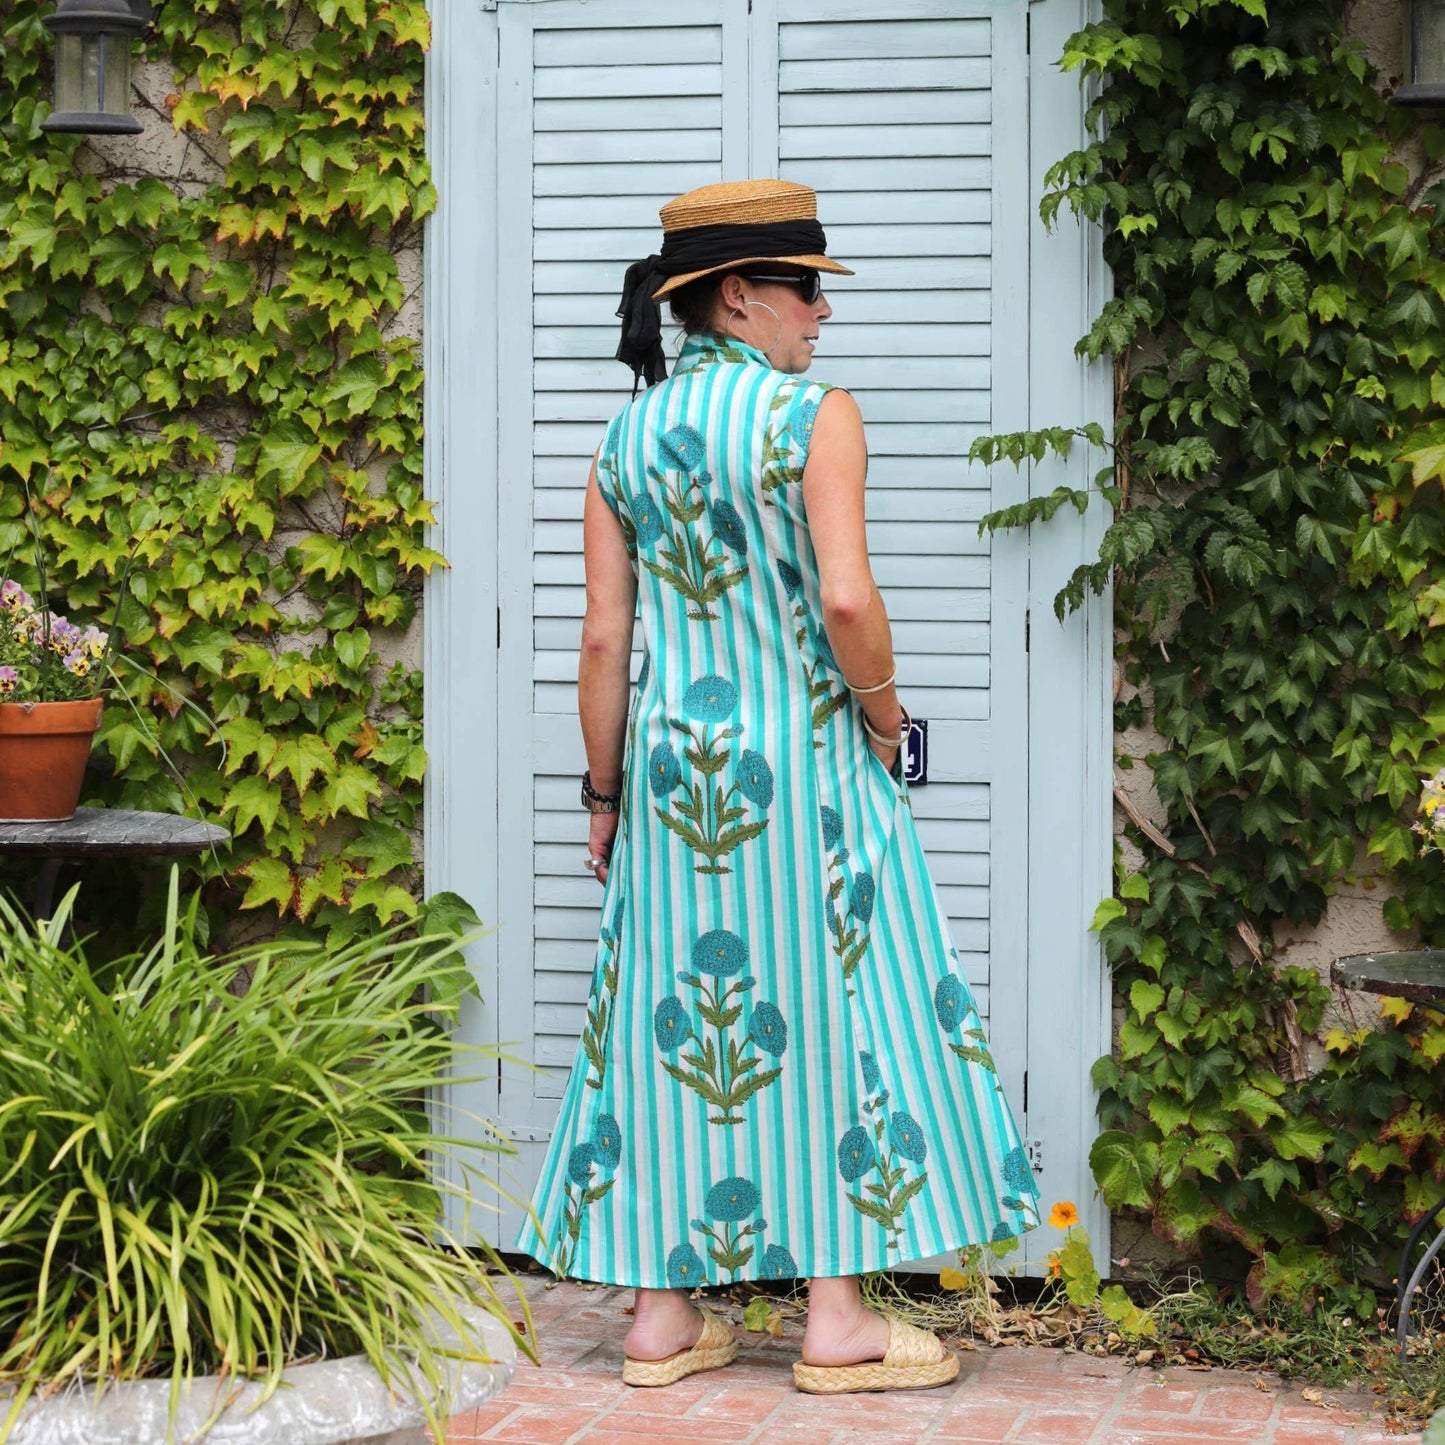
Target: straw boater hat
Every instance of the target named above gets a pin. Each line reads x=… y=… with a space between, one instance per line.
x=712 y=229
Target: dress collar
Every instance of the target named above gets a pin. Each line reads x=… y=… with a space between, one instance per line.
x=708 y=347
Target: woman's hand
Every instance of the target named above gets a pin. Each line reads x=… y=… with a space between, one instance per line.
x=885 y=755
x=601 y=834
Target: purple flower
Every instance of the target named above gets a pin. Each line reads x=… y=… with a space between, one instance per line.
x=9 y=680
x=14 y=598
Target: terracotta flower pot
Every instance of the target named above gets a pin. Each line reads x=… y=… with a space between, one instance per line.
x=43 y=751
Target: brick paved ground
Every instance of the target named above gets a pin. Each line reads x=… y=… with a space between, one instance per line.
x=1032 y=1396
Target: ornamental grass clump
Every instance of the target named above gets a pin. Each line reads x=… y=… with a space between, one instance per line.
x=226 y=1165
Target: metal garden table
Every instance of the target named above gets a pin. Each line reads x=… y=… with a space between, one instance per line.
x=1419 y=976
x=103 y=833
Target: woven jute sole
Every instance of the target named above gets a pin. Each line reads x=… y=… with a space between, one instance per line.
x=875 y=1375
x=715 y=1348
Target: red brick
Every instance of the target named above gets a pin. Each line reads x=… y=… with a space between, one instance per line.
x=630 y=1435
x=657 y=1421
x=1230 y=1403
x=967 y=1421
x=544 y=1425
x=1301 y=1412
x=476 y=1423
x=1177 y=1399
x=748 y=1402
x=796 y=1434
x=1041 y=1428
x=1189 y=1428
x=1310 y=1435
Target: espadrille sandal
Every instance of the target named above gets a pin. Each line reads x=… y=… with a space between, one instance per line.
x=914 y=1360
x=715 y=1347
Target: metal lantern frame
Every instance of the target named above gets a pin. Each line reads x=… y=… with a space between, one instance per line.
x=1424 y=50
x=93 y=42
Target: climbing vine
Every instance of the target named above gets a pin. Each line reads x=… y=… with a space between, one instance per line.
x=1276 y=542
x=200 y=360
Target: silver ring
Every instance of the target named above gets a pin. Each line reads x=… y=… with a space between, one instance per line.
x=592 y=864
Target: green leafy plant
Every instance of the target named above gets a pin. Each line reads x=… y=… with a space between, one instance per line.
x=226 y=1164
x=1275 y=543
x=212 y=362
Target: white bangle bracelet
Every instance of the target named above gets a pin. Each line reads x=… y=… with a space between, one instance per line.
x=888 y=742
x=864 y=691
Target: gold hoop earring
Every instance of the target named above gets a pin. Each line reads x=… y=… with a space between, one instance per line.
x=728 y=327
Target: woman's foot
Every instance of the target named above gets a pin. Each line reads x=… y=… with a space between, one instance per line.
x=663 y=1323
x=840 y=1331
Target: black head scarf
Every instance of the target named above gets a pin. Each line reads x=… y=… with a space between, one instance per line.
x=697 y=248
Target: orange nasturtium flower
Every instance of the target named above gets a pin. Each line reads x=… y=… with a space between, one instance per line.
x=1063 y=1215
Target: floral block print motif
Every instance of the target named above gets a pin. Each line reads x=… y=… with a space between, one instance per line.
x=599 y=1006
x=780 y=441
x=889 y=1149
x=700 y=563
x=847 y=925
x=731 y=1243
x=953 y=1010
x=706 y=817
x=601 y=1155
x=722 y=1066
x=824 y=699
x=1018 y=1178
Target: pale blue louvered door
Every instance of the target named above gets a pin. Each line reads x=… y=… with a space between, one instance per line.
x=910 y=118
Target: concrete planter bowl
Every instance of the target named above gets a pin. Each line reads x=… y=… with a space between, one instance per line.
x=334 y=1402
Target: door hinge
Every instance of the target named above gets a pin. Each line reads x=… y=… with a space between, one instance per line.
x=1034 y=1148
x=522 y=1133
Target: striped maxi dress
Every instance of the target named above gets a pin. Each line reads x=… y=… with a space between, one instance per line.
x=783 y=1071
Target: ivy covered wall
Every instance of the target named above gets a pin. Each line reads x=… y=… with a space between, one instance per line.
x=209 y=353
x=1275 y=550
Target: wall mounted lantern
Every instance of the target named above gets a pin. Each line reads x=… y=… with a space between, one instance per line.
x=93 y=40
x=1424 y=55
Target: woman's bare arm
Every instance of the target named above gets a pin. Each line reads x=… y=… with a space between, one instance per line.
x=605 y=657
x=853 y=611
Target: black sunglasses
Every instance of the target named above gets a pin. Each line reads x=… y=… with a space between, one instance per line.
x=809 y=283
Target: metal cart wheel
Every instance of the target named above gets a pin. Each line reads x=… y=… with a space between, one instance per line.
x=1420 y=1298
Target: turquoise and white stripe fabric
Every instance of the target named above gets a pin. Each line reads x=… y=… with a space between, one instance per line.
x=783 y=1071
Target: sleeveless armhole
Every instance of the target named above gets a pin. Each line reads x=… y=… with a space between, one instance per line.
x=609 y=476
x=789 y=434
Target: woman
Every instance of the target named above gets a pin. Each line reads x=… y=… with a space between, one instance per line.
x=783 y=1072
